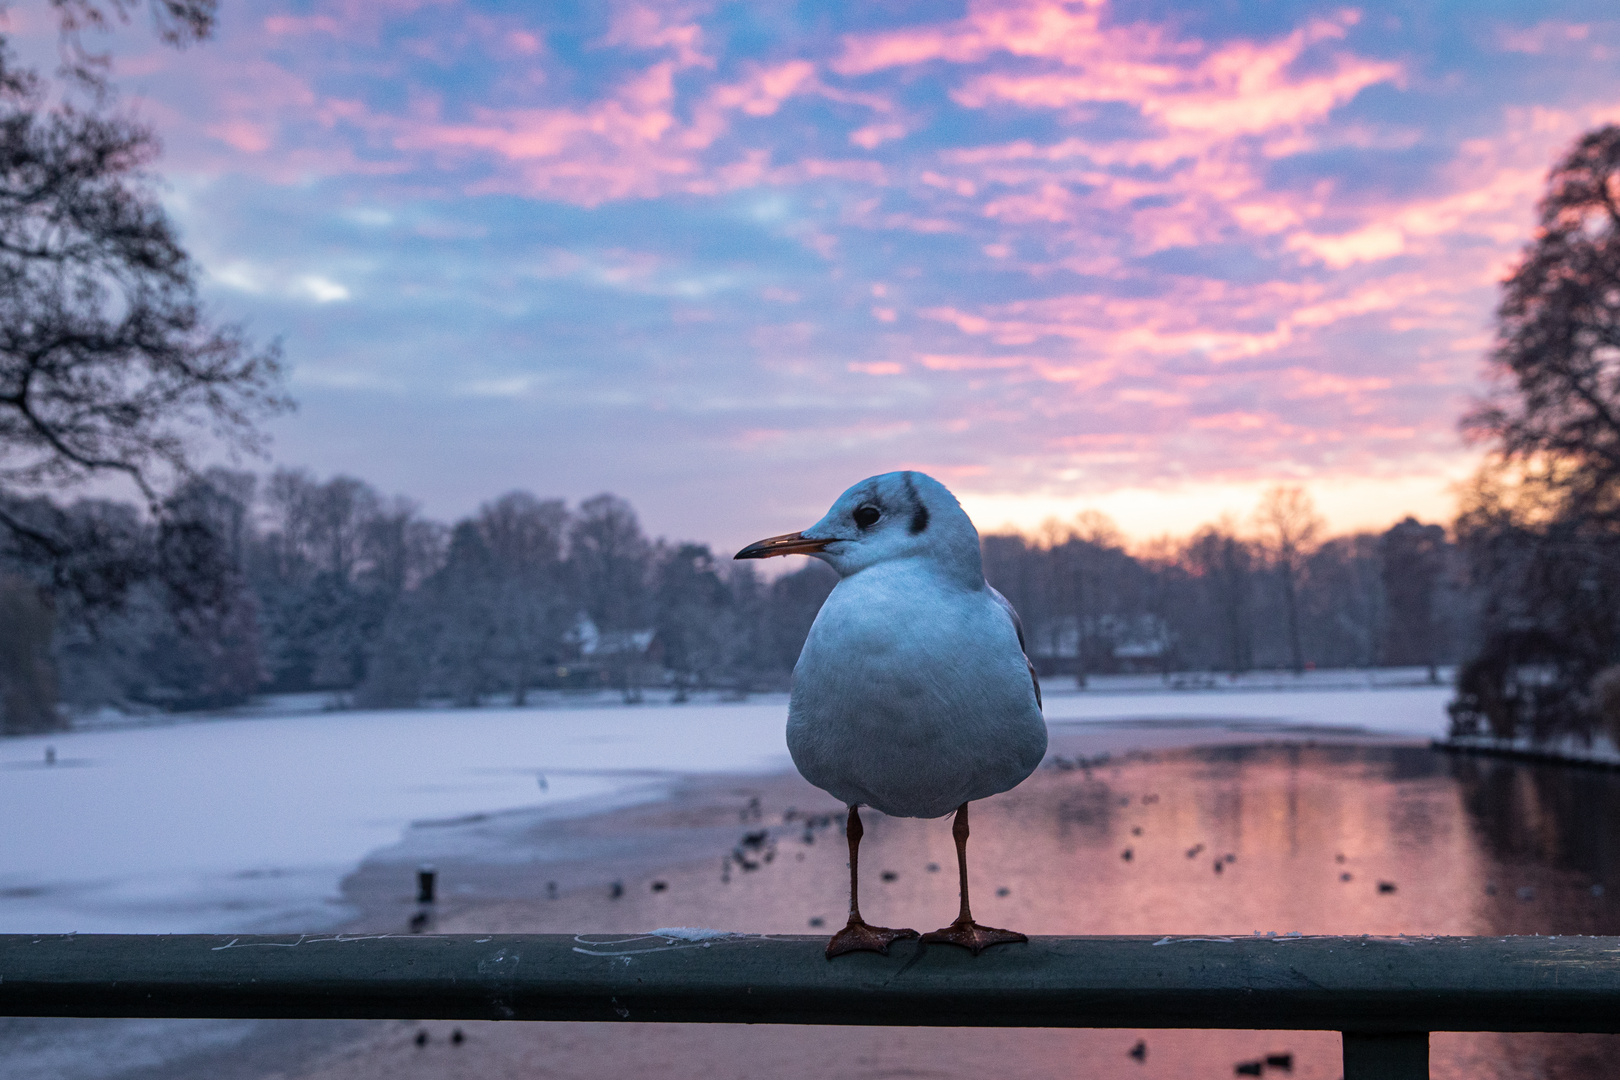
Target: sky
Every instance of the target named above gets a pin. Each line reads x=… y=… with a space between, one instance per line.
x=726 y=259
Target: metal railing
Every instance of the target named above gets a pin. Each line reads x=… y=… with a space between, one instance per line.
x=1384 y=994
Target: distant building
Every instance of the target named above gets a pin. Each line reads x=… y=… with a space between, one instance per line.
x=596 y=658
x=1110 y=644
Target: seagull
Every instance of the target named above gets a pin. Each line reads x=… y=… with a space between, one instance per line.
x=913 y=694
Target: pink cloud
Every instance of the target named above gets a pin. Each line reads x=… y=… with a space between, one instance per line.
x=299 y=25
x=632 y=144
x=1551 y=36
x=1353 y=323
x=646 y=26
x=1242 y=88
x=243 y=135
x=935 y=362
x=872 y=136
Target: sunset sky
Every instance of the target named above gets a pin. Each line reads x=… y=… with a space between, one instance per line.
x=725 y=259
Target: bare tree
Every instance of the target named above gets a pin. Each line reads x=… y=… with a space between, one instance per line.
x=108 y=363
x=1224 y=563
x=524 y=536
x=1081 y=554
x=176 y=22
x=1288 y=525
x=612 y=562
x=209 y=651
x=1343 y=610
x=1413 y=557
x=692 y=614
x=325 y=526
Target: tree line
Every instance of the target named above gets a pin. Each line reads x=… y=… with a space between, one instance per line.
x=245 y=585
x=1233 y=597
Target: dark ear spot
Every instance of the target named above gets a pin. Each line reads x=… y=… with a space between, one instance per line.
x=919 y=512
x=919 y=519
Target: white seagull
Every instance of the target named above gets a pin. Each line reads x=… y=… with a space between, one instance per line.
x=913 y=694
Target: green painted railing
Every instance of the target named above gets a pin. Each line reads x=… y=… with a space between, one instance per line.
x=1384 y=994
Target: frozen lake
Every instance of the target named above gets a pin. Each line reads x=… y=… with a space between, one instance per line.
x=251 y=823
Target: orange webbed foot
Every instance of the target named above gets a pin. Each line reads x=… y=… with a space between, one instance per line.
x=858 y=936
x=973 y=937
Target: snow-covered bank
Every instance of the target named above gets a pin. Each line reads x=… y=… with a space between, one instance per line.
x=241 y=824
x=251 y=823
x=1413 y=711
x=1285 y=681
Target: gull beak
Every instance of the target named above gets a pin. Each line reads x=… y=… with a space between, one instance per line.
x=786 y=544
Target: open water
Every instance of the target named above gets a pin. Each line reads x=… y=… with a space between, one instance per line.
x=1349 y=838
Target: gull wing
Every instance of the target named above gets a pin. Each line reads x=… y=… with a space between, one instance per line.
x=1018 y=625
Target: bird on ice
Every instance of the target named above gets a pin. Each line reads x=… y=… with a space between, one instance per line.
x=913 y=694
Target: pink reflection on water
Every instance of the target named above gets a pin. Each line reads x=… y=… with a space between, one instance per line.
x=1325 y=839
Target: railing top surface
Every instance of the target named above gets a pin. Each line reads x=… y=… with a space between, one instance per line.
x=1320 y=983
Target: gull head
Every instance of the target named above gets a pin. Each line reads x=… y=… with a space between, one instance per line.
x=897 y=515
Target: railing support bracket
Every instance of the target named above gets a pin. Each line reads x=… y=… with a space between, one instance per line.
x=1402 y=1055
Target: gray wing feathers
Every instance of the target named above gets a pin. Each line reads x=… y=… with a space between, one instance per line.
x=1018 y=626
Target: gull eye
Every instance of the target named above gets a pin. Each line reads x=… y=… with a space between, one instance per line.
x=867 y=516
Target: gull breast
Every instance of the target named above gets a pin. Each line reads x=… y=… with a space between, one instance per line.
x=912 y=695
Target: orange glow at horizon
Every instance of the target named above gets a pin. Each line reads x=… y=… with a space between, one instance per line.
x=1348 y=503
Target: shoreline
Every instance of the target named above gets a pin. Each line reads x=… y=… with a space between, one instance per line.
x=1566 y=752
x=338 y=703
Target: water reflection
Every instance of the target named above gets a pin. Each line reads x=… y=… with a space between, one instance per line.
x=1318 y=839
x=1314 y=839
x=1542 y=823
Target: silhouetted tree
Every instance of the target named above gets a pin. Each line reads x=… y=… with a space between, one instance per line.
x=1288 y=525
x=1557 y=356
x=1413 y=559
x=464 y=600
x=1343 y=606
x=533 y=601
x=1542 y=524
x=610 y=558
x=612 y=563
x=693 y=615
x=208 y=651
x=1549 y=591
x=27 y=676
x=108 y=364
x=107 y=361
x=1224 y=563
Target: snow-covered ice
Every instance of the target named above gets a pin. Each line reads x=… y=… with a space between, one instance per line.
x=1413 y=711
x=251 y=823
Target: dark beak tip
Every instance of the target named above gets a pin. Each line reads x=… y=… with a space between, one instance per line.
x=787 y=544
x=760 y=550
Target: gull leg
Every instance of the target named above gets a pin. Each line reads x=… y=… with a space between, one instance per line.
x=964 y=931
x=858 y=936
